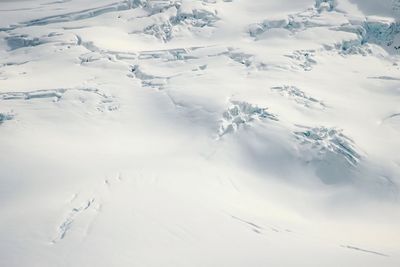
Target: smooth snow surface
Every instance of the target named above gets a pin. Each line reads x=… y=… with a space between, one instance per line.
x=200 y=133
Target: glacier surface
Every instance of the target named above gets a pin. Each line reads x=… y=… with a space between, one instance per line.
x=199 y=133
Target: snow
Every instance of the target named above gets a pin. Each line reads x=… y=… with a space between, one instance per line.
x=199 y=133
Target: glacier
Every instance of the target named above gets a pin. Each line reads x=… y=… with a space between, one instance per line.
x=199 y=133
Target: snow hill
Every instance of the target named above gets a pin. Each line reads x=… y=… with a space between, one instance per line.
x=200 y=133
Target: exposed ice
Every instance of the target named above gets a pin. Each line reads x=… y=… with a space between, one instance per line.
x=324 y=140
x=15 y=42
x=380 y=32
x=66 y=225
x=148 y=80
x=104 y=102
x=371 y=31
x=88 y=13
x=6 y=117
x=303 y=59
x=167 y=29
x=295 y=22
x=168 y=55
x=240 y=57
x=325 y=5
x=298 y=96
x=242 y=113
x=56 y=94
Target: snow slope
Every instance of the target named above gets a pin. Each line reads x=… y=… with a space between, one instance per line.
x=199 y=133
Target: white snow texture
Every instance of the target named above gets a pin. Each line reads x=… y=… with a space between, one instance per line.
x=212 y=133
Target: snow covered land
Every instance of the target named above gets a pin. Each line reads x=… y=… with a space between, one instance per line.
x=214 y=133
